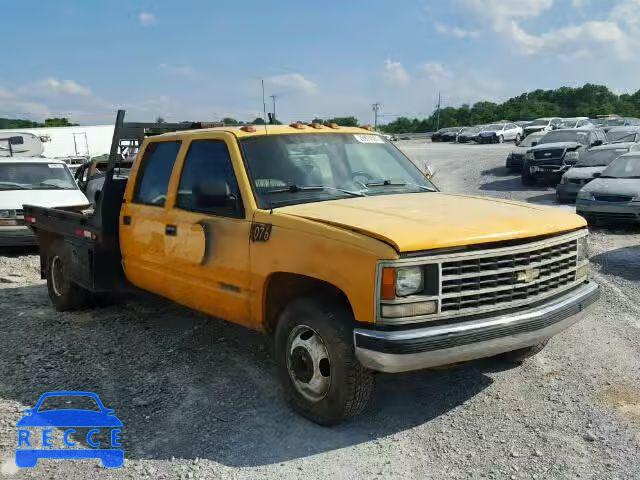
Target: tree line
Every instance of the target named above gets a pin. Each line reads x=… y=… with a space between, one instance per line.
x=14 y=123
x=586 y=101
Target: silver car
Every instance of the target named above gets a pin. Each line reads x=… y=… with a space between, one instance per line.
x=614 y=196
x=591 y=163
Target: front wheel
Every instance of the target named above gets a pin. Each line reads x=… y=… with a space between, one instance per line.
x=64 y=294
x=500 y=139
x=322 y=379
x=518 y=139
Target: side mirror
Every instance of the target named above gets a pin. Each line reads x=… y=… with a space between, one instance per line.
x=597 y=143
x=212 y=195
x=533 y=144
x=596 y=174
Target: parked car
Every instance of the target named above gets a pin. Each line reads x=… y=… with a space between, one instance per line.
x=445 y=134
x=500 y=133
x=515 y=159
x=575 y=122
x=523 y=123
x=629 y=133
x=544 y=124
x=609 y=123
x=613 y=197
x=589 y=166
x=38 y=181
x=556 y=152
x=469 y=134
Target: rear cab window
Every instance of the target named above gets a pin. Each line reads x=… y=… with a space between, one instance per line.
x=152 y=180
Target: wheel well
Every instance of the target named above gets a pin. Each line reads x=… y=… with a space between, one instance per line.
x=284 y=287
x=45 y=241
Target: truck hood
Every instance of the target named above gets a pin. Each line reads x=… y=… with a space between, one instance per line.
x=583 y=172
x=15 y=199
x=535 y=128
x=565 y=145
x=614 y=186
x=425 y=221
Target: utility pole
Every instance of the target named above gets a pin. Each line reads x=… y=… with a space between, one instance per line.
x=273 y=100
x=438 y=113
x=376 y=110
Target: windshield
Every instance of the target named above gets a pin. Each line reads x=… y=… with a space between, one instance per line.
x=539 y=122
x=623 y=167
x=568 y=123
x=35 y=176
x=529 y=139
x=579 y=136
x=291 y=169
x=615 y=122
x=600 y=158
x=621 y=135
x=494 y=126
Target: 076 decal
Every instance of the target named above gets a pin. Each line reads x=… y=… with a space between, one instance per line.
x=260 y=232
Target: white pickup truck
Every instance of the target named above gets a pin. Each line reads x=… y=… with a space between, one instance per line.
x=34 y=181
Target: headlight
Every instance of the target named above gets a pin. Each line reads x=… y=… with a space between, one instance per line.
x=583 y=248
x=528 y=156
x=409 y=280
x=636 y=198
x=563 y=180
x=582 y=195
x=571 y=157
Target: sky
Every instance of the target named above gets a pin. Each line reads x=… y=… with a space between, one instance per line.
x=205 y=60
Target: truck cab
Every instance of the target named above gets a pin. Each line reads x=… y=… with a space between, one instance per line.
x=332 y=241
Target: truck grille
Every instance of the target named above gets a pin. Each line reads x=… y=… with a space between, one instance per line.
x=548 y=154
x=496 y=279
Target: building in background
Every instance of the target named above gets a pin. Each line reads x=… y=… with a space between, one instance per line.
x=65 y=142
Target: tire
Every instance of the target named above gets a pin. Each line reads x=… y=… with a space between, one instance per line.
x=518 y=139
x=528 y=180
x=64 y=294
x=314 y=331
x=500 y=139
x=520 y=355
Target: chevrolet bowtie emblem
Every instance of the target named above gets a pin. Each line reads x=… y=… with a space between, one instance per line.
x=528 y=276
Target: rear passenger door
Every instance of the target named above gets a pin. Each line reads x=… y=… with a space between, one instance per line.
x=143 y=217
x=208 y=252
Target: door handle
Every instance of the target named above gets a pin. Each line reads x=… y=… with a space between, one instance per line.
x=171 y=230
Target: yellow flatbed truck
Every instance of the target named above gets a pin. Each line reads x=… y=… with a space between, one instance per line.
x=332 y=241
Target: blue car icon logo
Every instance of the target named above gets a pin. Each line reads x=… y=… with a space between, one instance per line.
x=29 y=452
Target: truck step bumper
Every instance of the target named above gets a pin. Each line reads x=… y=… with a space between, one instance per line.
x=404 y=350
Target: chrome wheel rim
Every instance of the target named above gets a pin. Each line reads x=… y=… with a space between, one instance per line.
x=308 y=363
x=57 y=276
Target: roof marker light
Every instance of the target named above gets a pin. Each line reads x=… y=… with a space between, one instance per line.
x=248 y=128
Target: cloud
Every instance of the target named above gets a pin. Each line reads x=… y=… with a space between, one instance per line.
x=147 y=19
x=617 y=34
x=64 y=87
x=292 y=82
x=461 y=85
x=455 y=32
x=181 y=71
x=395 y=74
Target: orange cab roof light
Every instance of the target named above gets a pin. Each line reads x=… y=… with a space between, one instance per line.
x=334 y=125
x=298 y=125
x=248 y=128
x=367 y=127
x=316 y=125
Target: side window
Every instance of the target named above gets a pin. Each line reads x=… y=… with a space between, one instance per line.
x=155 y=172
x=207 y=161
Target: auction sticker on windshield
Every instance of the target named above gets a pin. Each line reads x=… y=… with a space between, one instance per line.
x=56 y=165
x=69 y=433
x=369 y=138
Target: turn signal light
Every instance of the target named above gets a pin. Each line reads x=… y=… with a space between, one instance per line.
x=388 y=290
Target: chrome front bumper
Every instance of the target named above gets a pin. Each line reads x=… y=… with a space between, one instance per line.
x=404 y=350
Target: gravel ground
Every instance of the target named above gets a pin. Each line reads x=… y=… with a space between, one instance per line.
x=199 y=398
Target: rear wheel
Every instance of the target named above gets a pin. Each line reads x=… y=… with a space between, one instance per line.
x=518 y=139
x=322 y=379
x=500 y=139
x=528 y=180
x=64 y=294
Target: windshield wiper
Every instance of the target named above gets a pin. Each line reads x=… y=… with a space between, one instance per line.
x=606 y=176
x=312 y=188
x=14 y=185
x=385 y=183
